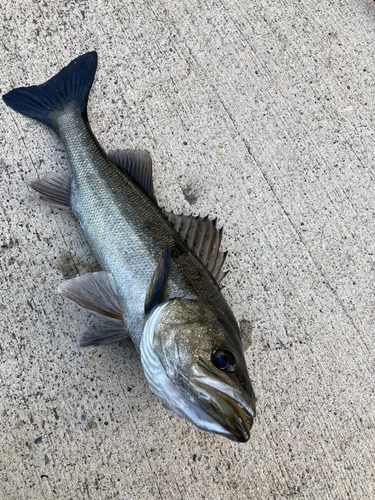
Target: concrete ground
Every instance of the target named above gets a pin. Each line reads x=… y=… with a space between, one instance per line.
x=260 y=113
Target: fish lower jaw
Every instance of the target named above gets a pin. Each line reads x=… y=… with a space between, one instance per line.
x=182 y=407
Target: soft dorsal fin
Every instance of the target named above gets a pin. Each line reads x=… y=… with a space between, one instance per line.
x=201 y=235
x=159 y=280
x=136 y=163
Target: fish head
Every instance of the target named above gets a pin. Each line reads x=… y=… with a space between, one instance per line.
x=204 y=360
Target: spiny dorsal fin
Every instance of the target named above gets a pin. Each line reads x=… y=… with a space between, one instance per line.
x=201 y=235
x=136 y=163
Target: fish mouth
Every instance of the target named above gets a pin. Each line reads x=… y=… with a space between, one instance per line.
x=230 y=407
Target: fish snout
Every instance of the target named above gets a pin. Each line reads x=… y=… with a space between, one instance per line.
x=242 y=430
x=238 y=421
x=233 y=409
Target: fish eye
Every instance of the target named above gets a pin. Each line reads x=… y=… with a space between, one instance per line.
x=224 y=360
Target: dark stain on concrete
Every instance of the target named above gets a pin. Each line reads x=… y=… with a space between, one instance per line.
x=66 y=265
x=190 y=195
x=7 y=246
x=246 y=332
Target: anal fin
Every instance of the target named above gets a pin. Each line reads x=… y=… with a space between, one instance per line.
x=54 y=189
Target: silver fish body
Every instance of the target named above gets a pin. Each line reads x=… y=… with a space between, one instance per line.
x=152 y=284
x=125 y=229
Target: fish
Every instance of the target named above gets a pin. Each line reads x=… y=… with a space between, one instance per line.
x=161 y=273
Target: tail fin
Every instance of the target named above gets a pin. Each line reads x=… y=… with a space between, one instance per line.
x=70 y=86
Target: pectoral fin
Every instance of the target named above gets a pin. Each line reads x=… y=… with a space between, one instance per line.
x=159 y=280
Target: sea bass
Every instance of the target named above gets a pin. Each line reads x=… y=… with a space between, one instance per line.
x=161 y=272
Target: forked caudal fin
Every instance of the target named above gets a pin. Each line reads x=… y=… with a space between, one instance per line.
x=71 y=86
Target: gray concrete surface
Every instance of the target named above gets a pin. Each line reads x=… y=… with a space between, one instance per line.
x=261 y=113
